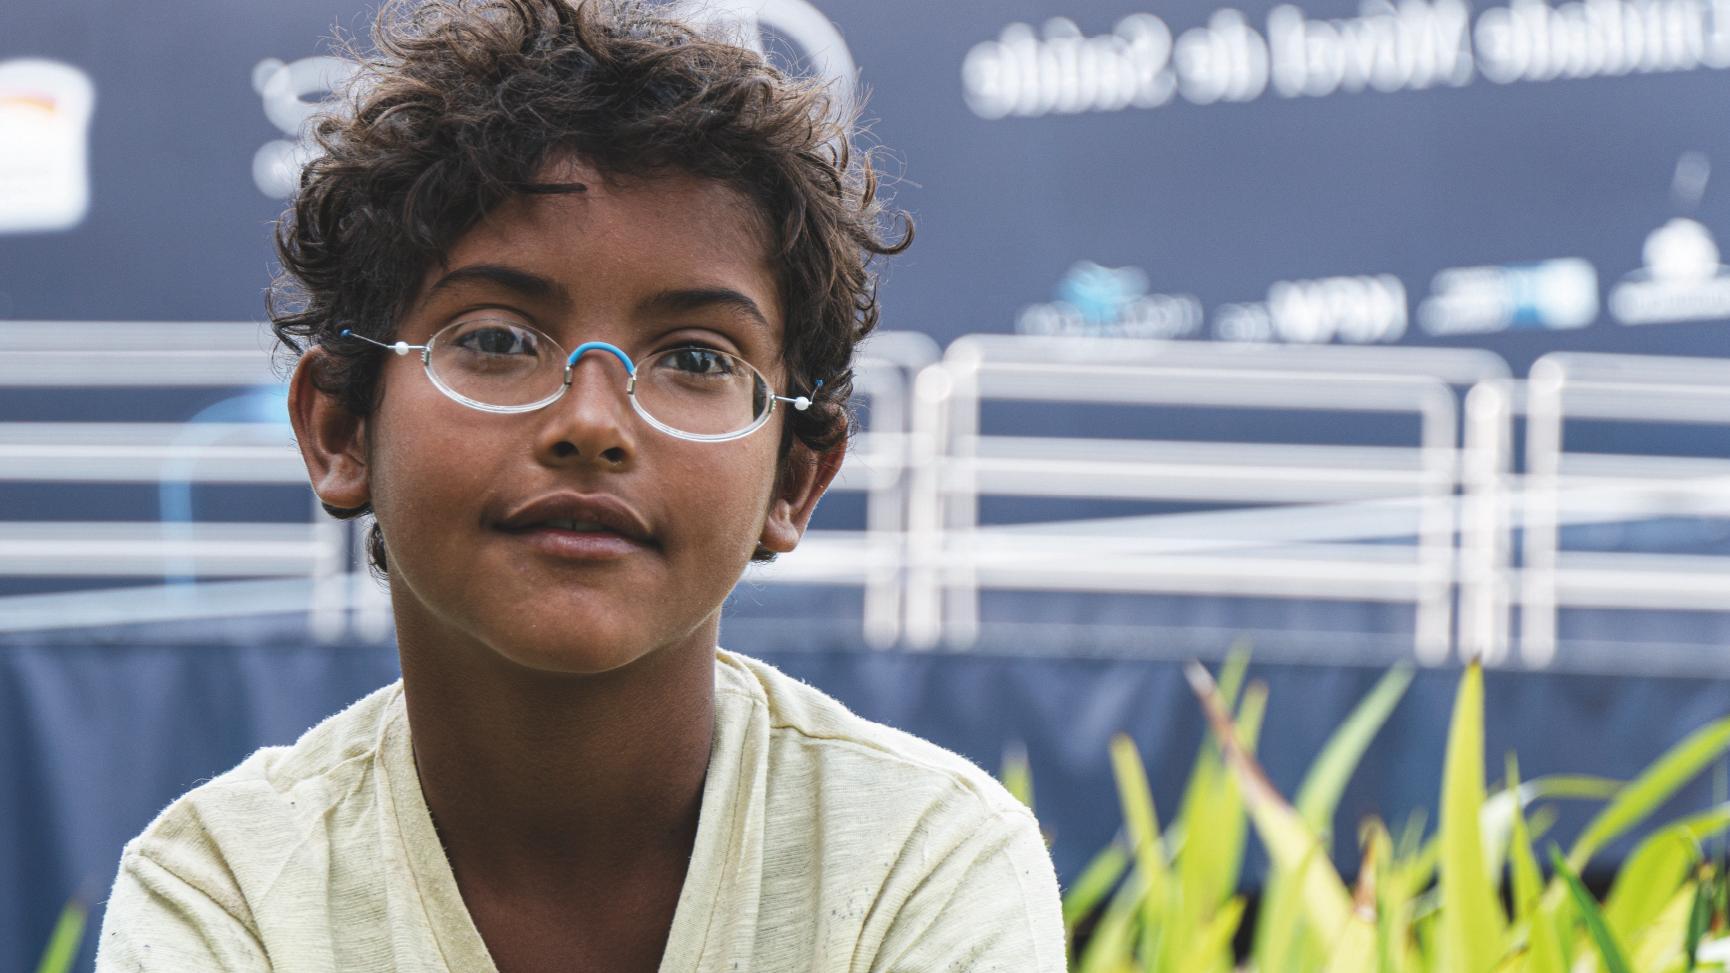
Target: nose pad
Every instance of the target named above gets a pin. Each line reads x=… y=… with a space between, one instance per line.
x=599 y=372
x=595 y=418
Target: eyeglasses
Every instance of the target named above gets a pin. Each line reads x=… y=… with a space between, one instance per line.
x=692 y=392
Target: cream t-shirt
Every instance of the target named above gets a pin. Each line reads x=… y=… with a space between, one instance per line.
x=826 y=843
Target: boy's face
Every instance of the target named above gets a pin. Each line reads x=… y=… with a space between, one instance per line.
x=644 y=264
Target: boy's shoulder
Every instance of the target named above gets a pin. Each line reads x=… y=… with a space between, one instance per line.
x=249 y=820
x=820 y=736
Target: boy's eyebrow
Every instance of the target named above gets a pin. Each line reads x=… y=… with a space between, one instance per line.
x=511 y=278
x=671 y=301
x=696 y=298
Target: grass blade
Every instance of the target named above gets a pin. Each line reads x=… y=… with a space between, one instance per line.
x=1280 y=946
x=1527 y=880
x=1093 y=885
x=1317 y=801
x=1389 y=903
x=1472 y=926
x=1658 y=945
x=1213 y=823
x=1319 y=794
x=1647 y=792
x=1543 y=944
x=1699 y=920
x=1211 y=947
x=1017 y=775
x=1112 y=946
x=1233 y=672
x=63 y=943
x=1609 y=950
x=1289 y=840
x=1498 y=814
x=1208 y=797
x=1658 y=866
x=1142 y=824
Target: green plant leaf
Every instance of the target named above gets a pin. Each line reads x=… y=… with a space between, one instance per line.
x=1648 y=879
x=1647 y=792
x=1208 y=765
x=1204 y=792
x=1472 y=926
x=64 y=941
x=1609 y=950
x=1497 y=816
x=1233 y=672
x=1290 y=842
x=1280 y=946
x=1699 y=920
x=1319 y=794
x=1317 y=801
x=1543 y=944
x=1527 y=880
x=1210 y=949
x=1214 y=825
x=1017 y=774
x=1112 y=946
x=1658 y=945
x=1093 y=884
x=1207 y=859
x=1392 y=905
x=1426 y=930
x=1142 y=824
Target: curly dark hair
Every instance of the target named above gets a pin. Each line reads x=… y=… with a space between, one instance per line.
x=460 y=103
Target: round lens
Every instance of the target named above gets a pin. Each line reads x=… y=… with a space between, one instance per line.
x=496 y=362
x=702 y=391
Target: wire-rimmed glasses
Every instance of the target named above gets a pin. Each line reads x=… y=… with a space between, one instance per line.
x=690 y=391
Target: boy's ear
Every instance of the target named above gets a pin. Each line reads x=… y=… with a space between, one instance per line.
x=332 y=439
x=803 y=479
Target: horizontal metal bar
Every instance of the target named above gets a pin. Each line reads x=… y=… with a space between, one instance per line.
x=137 y=369
x=204 y=600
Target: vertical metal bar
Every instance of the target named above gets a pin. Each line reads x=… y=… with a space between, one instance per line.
x=1539 y=537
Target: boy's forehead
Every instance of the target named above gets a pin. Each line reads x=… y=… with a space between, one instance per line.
x=592 y=229
x=671 y=203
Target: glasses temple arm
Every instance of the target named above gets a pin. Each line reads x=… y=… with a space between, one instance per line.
x=802 y=402
x=400 y=347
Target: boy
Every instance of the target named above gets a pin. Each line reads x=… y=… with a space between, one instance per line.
x=575 y=292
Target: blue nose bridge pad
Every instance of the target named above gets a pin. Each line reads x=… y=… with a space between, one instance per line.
x=615 y=350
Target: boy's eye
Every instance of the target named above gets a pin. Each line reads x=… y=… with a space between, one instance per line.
x=497 y=338
x=699 y=361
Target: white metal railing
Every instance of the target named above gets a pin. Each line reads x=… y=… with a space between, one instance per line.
x=1564 y=486
x=954 y=555
x=99 y=354
x=242 y=440
x=877 y=464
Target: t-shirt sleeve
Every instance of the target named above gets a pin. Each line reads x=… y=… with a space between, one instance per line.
x=158 y=921
x=991 y=907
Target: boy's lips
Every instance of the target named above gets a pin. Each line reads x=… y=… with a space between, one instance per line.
x=575 y=523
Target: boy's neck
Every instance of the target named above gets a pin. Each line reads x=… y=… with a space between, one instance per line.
x=539 y=778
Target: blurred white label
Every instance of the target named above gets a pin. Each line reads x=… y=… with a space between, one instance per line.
x=1097 y=301
x=292 y=93
x=1363 y=310
x=1552 y=295
x=1353 y=310
x=45 y=109
x=1389 y=46
x=1682 y=279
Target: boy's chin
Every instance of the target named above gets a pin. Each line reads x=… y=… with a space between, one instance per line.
x=592 y=655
